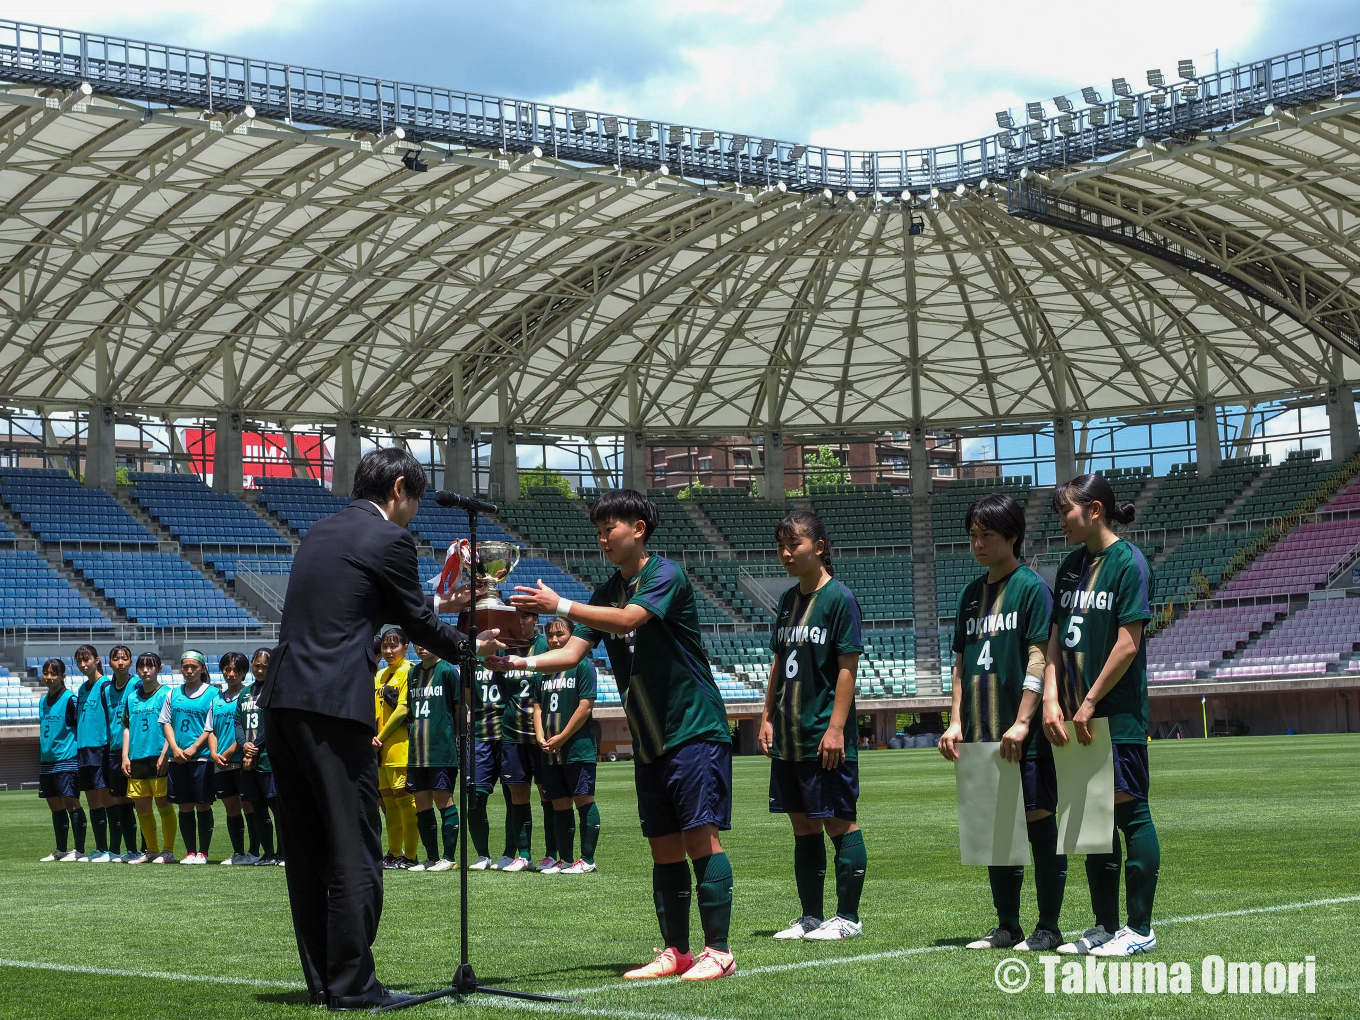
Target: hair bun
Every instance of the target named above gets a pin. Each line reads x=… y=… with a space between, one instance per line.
x=1124 y=513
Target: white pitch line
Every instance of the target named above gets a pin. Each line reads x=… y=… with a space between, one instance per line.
x=892 y=954
x=578 y=1009
x=159 y=975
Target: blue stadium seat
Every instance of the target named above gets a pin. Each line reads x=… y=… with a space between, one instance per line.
x=59 y=509
x=196 y=515
x=37 y=597
x=158 y=589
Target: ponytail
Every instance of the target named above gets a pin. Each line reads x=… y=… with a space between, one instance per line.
x=1087 y=489
x=808 y=524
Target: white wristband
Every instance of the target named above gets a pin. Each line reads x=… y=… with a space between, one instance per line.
x=531 y=663
x=564 y=607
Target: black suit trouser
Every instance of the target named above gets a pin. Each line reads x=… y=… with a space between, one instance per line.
x=327 y=779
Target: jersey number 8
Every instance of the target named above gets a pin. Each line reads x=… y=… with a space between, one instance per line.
x=552 y=702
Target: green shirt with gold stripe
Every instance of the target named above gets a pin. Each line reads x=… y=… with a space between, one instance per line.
x=993 y=629
x=432 y=694
x=811 y=632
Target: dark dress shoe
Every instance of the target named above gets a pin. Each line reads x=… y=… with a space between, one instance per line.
x=377 y=996
x=317 y=998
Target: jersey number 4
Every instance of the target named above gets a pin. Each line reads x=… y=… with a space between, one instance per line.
x=985 y=656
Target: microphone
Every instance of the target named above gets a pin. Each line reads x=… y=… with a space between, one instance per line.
x=452 y=499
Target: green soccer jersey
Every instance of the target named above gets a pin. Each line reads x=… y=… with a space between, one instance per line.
x=488 y=707
x=665 y=681
x=250 y=725
x=810 y=634
x=517 y=694
x=993 y=629
x=222 y=721
x=559 y=694
x=1096 y=594
x=433 y=695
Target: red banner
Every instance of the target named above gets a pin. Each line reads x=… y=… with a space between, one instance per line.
x=263 y=455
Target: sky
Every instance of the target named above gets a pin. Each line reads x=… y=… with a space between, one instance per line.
x=859 y=74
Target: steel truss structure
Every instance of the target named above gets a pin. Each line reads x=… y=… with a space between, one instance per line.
x=244 y=248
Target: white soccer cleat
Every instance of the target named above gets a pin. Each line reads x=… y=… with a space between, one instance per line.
x=421 y=865
x=1090 y=939
x=799 y=928
x=519 y=864
x=128 y=856
x=835 y=929
x=1127 y=942
x=189 y=859
x=443 y=864
x=480 y=864
x=140 y=859
x=83 y=858
x=549 y=862
x=502 y=862
x=69 y=857
x=580 y=868
x=997 y=938
x=55 y=855
x=103 y=857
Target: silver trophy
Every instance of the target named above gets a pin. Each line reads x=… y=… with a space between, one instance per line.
x=491 y=565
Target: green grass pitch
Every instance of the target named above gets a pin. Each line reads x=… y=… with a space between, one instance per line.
x=1251 y=830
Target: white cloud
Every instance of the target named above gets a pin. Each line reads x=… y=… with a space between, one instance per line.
x=200 y=25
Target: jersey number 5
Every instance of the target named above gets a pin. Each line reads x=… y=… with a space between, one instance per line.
x=1073 y=636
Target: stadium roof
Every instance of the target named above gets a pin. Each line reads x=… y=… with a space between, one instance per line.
x=175 y=260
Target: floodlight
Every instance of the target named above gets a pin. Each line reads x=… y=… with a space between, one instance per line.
x=796 y=153
x=826 y=194
x=1036 y=132
x=1157 y=99
x=1190 y=91
x=1003 y=119
x=851 y=197
x=1090 y=95
x=1096 y=115
x=610 y=125
x=1155 y=78
x=1005 y=140
x=738 y=143
x=766 y=146
x=961 y=189
x=676 y=134
x=1035 y=111
x=579 y=121
x=1185 y=68
x=643 y=130
x=984 y=184
x=934 y=192
x=411 y=160
x=1127 y=109
x=1065 y=124
x=1121 y=87
x=1063 y=104
x=705 y=139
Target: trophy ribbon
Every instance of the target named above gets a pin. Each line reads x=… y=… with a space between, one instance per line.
x=458 y=556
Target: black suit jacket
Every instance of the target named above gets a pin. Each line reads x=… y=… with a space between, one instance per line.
x=353 y=573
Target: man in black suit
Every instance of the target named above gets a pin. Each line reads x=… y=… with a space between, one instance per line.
x=353 y=573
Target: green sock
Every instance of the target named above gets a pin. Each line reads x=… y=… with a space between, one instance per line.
x=236 y=832
x=479 y=824
x=524 y=829
x=61 y=825
x=713 y=882
x=852 y=860
x=1134 y=819
x=564 y=834
x=1050 y=870
x=448 y=823
x=429 y=834
x=99 y=822
x=590 y=831
x=550 y=848
x=1006 y=881
x=809 y=873
x=511 y=825
x=266 y=830
x=1102 y=875
x=671 y=890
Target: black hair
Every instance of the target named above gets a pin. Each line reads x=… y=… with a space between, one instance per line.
x=1087 y=489
x=626 y=505
x=149 y=659
x=557 y=622
x=91 y=651
x=806 y=523
x=401 y=636
x=236 y=659
x=119 y=648
x=379 y=470
x=56 y=665
x=267 y=652
x=998 y=512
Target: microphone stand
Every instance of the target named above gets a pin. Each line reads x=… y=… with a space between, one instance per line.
x=464 y=978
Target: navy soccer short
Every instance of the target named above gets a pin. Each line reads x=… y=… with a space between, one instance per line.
x=90 y=762
x=807 y=788
x=685 y=788
x=256 y=786
x=571 y=779
x=191 y=782
x=1131 y=770
x=518 y=763
x=113 y=772
x=486 y=764
x=1039 y=782
x=228 y=783
x=57 y=784
x=420 y=778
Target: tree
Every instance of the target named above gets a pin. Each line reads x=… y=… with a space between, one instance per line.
x=824 y=467
x=542 y=477
x=692 y=490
